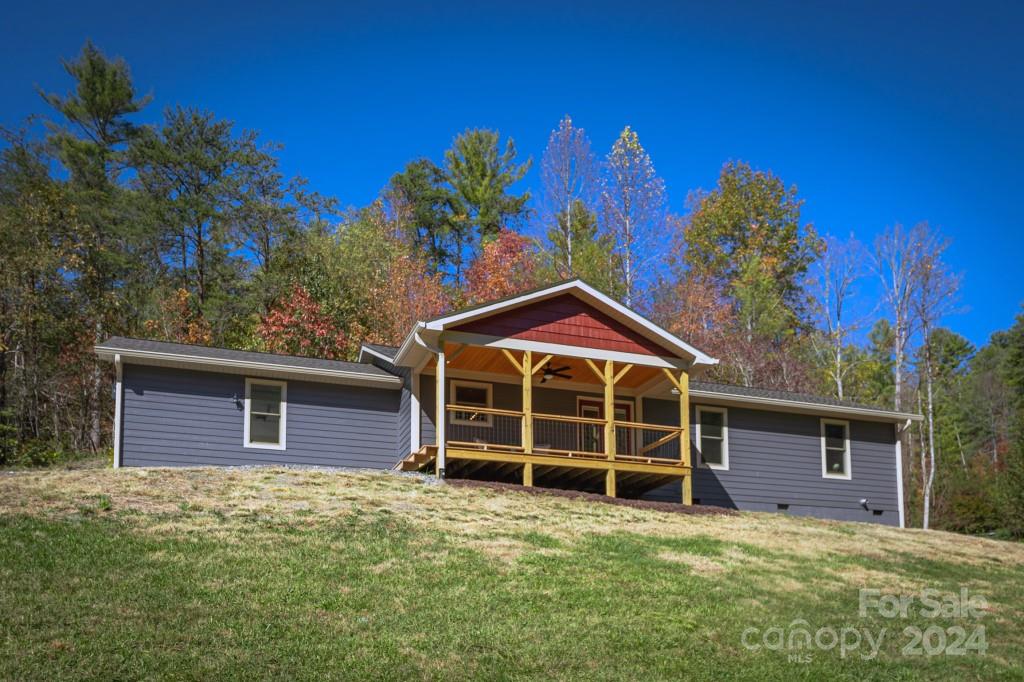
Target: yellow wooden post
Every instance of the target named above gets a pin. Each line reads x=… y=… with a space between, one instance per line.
x=609 y=409
x=440 y=419
x=528 y=474
x=609 y=424
x=528 y=402
x=684 y=434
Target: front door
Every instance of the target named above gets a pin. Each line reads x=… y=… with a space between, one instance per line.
x=592 y=435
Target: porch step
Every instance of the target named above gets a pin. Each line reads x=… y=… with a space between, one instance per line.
x=418 y=459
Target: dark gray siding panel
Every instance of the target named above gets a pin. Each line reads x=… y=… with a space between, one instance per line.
x=428 y=399
x=775 y=459
x=176 y=417
x=403 y=435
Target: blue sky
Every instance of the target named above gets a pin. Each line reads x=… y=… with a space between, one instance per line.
x=879 y=112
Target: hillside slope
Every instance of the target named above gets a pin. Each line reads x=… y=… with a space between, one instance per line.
x=272 y=572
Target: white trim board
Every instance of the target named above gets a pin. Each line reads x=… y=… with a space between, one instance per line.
x=118 y=393
x=847 y=454
x=724 y=411
x=558 y=385
x=801 y=407
x=563 y=350
x=272 y=370
x=283 y=419
x=369 y=351
x=899 y=429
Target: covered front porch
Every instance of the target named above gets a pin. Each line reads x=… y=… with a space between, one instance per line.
x=550 y=420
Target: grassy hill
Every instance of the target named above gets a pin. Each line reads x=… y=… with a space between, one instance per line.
x=231 y=574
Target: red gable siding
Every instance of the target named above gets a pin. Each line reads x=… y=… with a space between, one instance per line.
x=566 y=320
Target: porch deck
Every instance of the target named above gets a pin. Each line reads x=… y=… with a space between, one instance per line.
x=599 y=448
x=566 y=452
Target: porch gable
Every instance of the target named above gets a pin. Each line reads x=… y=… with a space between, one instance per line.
x=565 y=320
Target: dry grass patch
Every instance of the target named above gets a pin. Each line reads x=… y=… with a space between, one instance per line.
x=219 y=573
x=202 y=499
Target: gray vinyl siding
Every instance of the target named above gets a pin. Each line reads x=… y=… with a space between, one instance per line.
x=403 y=434
x=775 y=459
x=175 y=417
x=428 y=399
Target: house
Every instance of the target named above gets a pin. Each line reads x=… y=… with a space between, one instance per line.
x=558 y=387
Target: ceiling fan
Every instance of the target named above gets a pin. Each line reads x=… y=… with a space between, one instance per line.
x=550 y=372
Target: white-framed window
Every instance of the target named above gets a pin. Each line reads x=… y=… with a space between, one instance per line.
x=472 y=394
x=266 y=413
x=835 y=448
x=713 y=437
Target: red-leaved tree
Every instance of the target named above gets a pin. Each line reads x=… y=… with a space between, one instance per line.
x=506 y=265
x=297 y=325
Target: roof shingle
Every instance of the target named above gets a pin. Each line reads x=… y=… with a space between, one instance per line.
x=209 y=352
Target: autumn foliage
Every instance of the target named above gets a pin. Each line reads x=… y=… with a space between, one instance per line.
x=402 y=296
x=506 y=265
x=297 y=325
x=180 y=321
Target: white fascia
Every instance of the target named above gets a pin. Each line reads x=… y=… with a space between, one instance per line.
x=365 y=350
x=803 y=406
x=212 y=364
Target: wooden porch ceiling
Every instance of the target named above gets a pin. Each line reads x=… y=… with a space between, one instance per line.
x=492 y=360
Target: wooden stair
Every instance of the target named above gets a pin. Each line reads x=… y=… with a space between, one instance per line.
x=418 y=460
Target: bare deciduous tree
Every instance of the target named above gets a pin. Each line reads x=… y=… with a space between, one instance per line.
x=896 y=258
x=833 y=284
x=935 y=290
x=568 y=173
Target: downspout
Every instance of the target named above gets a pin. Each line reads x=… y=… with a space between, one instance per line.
x=117 y=409
x=899 y=429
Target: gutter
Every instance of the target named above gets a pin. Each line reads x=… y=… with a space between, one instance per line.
x=410 y=340
x=343 y=376
x=782 y=403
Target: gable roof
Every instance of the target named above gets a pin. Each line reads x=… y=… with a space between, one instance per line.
x=211 y=358
x=580 y=290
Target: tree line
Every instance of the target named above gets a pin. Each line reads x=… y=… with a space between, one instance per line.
x=187 y=230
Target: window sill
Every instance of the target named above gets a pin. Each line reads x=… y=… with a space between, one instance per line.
x=264 y=446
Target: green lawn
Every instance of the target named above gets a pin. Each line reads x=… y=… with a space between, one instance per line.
x=271 y=573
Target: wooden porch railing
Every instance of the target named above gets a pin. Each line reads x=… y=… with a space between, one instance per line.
x=479 y=428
